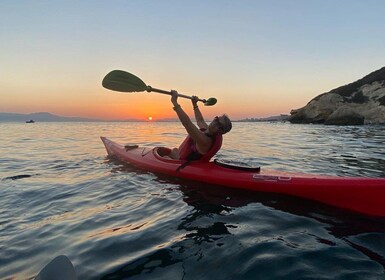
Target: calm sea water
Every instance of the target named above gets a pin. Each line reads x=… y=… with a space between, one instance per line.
x=61 y=194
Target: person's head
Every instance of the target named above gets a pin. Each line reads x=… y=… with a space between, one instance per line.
x=221 y=124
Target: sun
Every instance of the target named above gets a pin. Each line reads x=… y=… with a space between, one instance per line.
x=150 y=118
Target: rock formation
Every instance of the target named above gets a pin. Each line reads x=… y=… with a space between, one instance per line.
x=361 y=102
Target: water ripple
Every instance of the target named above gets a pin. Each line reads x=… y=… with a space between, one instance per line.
x=61 y=194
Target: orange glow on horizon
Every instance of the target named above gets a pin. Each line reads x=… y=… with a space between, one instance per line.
x=108 y=105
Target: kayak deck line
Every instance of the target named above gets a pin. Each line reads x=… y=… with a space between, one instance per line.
x=359 y=194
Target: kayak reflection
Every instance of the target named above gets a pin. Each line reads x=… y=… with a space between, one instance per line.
x=221 y=223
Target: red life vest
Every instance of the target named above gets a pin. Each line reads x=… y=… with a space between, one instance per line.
x=186 y=148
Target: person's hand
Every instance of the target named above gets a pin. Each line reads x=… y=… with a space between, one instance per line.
x=174 y=97
x=194 y=100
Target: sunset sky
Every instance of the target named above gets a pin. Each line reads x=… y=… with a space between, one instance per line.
x=258 y=58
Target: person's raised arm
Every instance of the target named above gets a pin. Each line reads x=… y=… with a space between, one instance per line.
x=191 y=129
x=198 y=115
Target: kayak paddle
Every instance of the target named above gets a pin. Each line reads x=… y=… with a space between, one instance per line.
x=123 y=81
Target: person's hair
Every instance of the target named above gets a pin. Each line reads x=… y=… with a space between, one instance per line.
x=228 y=125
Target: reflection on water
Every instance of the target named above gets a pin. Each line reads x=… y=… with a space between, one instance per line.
x=219 y=221
x=61 y=194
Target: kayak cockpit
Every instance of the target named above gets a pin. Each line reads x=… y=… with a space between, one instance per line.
x=161 y=153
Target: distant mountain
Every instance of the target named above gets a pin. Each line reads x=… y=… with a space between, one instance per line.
x=280 y=118
x=40 y=117
x=48 y=117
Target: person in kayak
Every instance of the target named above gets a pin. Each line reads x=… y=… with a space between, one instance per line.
x=203 y=141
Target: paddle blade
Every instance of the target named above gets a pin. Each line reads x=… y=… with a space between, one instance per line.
x=119 y=80
x=210 y=102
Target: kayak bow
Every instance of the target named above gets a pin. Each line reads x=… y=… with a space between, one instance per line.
x=359 y=194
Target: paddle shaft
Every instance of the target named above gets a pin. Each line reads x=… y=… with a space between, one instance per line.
x=149 y=88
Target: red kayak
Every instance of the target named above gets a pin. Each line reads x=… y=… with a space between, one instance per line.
x=363 y=195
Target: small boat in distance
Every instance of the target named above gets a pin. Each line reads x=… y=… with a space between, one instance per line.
x=30 y=121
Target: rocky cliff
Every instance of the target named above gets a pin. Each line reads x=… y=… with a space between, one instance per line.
x=361 y=102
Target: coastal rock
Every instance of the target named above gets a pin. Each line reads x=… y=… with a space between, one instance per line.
x=361 y=102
